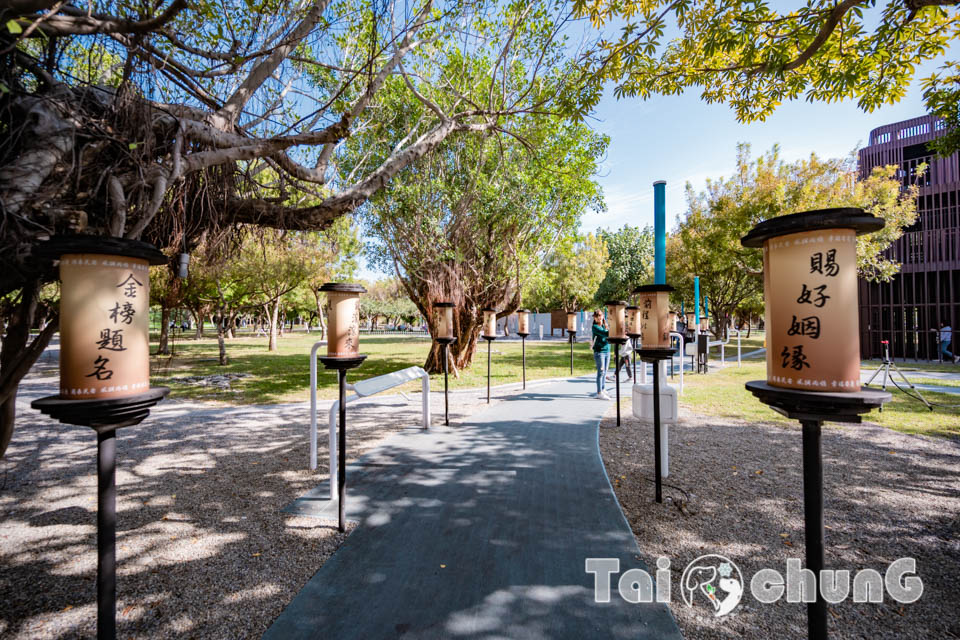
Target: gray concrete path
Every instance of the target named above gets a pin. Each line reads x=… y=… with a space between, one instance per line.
x=479 y=531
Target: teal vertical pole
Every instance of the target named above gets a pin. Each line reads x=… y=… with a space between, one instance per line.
x=682 y=314
x=706 y=307
x=696 y=298
x=660 y=232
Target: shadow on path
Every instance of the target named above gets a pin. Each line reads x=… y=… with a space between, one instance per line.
x=479 y=531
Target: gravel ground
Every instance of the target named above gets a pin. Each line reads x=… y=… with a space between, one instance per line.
x=203 y=550
x=887 y=495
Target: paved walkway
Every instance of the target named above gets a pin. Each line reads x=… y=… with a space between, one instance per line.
x=479 y=531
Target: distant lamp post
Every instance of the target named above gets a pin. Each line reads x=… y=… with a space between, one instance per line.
x=523 y=330
x=104 y=368
x=489 y=334
x=617 y=335
x=633 y=332
x=343 y=353
x=572 y=334
x=654 y=303
x=691 y=322
x=813 y=354
x=443 y=321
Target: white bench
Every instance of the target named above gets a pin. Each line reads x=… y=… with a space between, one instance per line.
x=361 y=389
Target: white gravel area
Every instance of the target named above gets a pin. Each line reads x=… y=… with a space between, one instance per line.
x=887 y=495
x=203 y=550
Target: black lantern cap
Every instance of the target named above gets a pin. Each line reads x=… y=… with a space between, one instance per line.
x=57 y=246
x=651 y=288
x=838 y=218
x=444 y=304
x=342 y=287
x=610 y=303
x=524 y=311
x=488 y=309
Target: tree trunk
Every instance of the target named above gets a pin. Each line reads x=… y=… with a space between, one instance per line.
x=321 y=321
x=460 y=351
x=197 y=323
x=16 y=358
x=221 y=342
x=281 y=321
x=164 y=347
x=273 y=316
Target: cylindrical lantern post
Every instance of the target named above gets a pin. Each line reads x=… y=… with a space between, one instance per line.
x=523 y=330
x=572 y=334
x=343 y=353
x=813 y=346
x=654 y=303
x=444 y=323
x=489 y=334
x=616 y=322
x=633 y=332
x=104 y=368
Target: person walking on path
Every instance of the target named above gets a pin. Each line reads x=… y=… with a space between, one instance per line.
x=945 y=338
x=601 y=352
x=625 y=350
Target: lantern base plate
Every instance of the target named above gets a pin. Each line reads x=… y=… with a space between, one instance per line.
x=652 y=354
x=818 y=405
x=335 y=362
x=445 y=340
x=489 y=338
x=523 y=335
x=617 y=340
x=102 y=414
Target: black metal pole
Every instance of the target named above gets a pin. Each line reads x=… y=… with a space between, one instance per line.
x=523 y=348
x=813 y=524
x=571 y=354
x=634 y=360
x=106 y=535
x=342 y=475
x=656 y=428
x=446 y=402
x=488 y=371
x=616 y=355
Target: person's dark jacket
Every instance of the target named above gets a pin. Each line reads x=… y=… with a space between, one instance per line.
x=600 y=342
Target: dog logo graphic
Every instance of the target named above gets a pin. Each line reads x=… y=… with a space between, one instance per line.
x=717 y=579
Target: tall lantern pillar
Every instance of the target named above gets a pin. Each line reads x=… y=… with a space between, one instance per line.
x=523 y=330
x=813 y=346
x=654 y=303
x=616 y=321
x=489 y=334
x=104 y=368
x=343 y=353
x=444 y=324
x=572 y=334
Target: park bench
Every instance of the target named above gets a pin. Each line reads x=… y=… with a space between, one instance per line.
x=360 y=389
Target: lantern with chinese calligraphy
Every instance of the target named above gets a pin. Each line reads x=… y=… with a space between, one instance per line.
x=633 y=321
x=673 y=321
x=489 y=334
x=523 y=322
x=443 y=314
x=343 y=353
x=104 y=367
x=523 y=330
x=489 y=324
x=617 y=335
x=616 y=319
x=691 y=322
x=810 y=291
x=443 y=320
x=572 y=322
x=654 y=303
x=813 y=347
x=343 y=323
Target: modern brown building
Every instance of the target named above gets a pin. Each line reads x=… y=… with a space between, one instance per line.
x=927 y=289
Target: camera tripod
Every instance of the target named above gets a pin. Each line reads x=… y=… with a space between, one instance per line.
x=885 y=369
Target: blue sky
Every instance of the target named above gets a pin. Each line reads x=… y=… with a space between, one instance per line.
x=681 y=139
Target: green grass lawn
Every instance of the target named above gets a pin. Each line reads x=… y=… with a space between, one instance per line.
x=284 y=375
x=722 y=393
